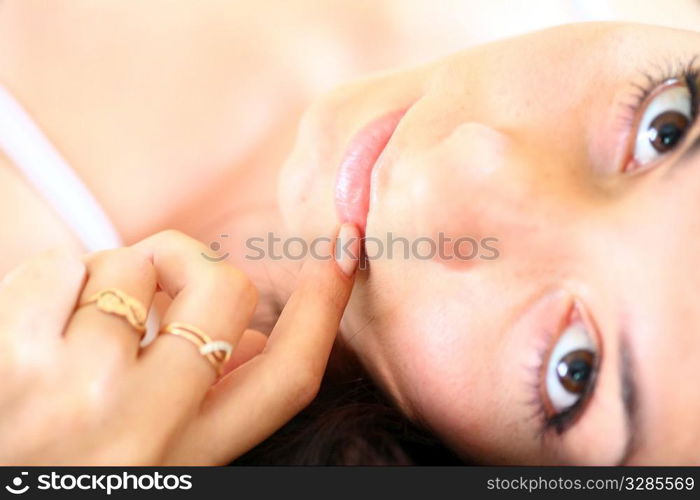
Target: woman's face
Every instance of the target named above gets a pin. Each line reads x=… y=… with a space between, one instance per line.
x=563 y=326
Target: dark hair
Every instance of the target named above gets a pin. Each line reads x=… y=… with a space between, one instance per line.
x=350 y=422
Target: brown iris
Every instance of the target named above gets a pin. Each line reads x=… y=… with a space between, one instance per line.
x=667 y=130
x=574 y=370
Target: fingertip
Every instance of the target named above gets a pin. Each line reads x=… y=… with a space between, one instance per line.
x=335 y=254
x=347 y=249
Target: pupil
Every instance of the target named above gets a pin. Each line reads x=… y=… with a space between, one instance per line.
x=579 y=370
x=667 y=130
x=574 y=370
x=669 y=135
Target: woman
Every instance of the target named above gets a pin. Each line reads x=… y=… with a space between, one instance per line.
x=567 y=151
x=573 y=148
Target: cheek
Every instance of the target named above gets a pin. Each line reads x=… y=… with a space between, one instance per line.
x=470 y=193
x=475 y=379
x=456 y=386
x=456 y=370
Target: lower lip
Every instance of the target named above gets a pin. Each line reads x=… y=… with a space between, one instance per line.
x=352 y=187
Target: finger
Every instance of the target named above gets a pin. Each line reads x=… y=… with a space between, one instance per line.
x=253 y=401
x=38 y=297
x=100 y=333
x=212 y=296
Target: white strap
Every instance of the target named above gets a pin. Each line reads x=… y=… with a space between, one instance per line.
x=44 y=167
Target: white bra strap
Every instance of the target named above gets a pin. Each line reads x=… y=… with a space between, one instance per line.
x=44 y=167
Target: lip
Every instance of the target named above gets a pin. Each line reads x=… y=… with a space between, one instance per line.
x=352 y=187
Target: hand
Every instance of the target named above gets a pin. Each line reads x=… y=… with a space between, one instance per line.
x=77 y=388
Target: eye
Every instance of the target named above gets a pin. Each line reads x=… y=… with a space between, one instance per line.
x=667 y=117
x=570 y=369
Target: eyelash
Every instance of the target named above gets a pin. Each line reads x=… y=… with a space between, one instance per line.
x=685 y=71
x=561 y=421
x=688 y=72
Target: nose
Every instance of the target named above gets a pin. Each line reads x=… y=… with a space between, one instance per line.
x=481 y=182
x=461 y=181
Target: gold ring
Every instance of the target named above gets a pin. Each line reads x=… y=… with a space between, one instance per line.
x=118 y=303
x=217 y=352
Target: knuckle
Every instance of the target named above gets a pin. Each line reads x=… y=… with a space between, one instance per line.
x=170 y=240
x=249 y=290
x=304 y=384
x=171 y=245
x=129 y=260
x=179 y=238
x=171 y=235
x=22 y=364
x=15 y=371
x=138 y=264
x=179 y=242
x=235 y=285
x=96 y=398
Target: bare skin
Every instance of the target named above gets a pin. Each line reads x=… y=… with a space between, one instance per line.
x=571 y=147
x=531 y=149
x=78 y=389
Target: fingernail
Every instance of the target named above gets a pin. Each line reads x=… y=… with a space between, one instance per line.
x=347 y=248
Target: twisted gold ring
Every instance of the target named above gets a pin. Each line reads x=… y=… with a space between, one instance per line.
x=118 y=303
x=217 y=352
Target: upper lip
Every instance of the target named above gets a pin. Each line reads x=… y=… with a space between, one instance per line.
x=352 y=188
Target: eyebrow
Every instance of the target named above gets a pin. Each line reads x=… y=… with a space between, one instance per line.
x=629 y=392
